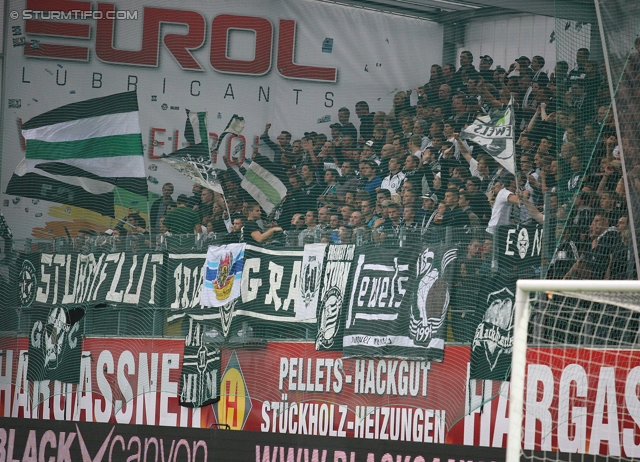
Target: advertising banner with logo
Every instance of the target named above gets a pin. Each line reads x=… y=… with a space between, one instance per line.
x=291 y=389
x=269 y=62
x=73 y=442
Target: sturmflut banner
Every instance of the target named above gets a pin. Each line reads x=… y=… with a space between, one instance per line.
x=75 y=280
x=333 y=296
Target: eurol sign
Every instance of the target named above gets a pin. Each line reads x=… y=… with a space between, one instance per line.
x=179 y=45
x=290 y=63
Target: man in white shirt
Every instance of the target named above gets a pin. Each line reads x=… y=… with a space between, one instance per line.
x=504 y=189
x=395 y=178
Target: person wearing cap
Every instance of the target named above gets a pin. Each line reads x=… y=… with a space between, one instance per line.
x=504 y=191
x=183 y=219
x=368 y=152
x=486 y=72
x=520 y=67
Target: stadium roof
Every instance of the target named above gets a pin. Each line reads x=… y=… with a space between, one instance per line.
x=460 y=11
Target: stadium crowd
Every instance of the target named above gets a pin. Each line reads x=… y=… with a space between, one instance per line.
x=407 y=173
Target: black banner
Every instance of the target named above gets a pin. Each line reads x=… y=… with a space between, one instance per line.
x=493 y=340
x=398 y=303
x=55 y=345
x=73 y=280
x=519 y=245
x=333 y=297
x=200 y=375
x=184 y=280
x=270 y=286
x=26 y=439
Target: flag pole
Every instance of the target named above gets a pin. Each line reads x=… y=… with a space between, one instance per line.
x=513 y=140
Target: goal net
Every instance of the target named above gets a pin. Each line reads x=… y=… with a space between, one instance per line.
x=575 y=377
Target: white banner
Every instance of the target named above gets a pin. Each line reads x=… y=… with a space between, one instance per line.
x=222 y=274
x=310 y=279
x=292 y=63
x=495 y=134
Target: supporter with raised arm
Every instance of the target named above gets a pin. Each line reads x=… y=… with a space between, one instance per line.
x=281 y=146
x=251 y=232
x=504 y=191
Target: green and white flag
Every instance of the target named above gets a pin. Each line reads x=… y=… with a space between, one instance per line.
x=263 y=186
x=79 y=153
x=494 y=133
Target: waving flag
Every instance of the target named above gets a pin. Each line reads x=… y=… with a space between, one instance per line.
x=79 y=153
x=495 y=135
x=235 y=126
x=196 y=134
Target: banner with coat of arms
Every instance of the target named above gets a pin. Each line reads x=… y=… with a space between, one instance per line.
x=310 y=278
x=222 y=274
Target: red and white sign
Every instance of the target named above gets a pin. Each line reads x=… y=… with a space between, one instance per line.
x=268 y=61
x=576 y=402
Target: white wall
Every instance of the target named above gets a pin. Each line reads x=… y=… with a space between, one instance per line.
x=505 y=39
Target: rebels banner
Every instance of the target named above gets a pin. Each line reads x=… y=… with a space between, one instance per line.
x=398 y=304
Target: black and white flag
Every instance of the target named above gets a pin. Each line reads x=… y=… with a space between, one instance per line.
x=55 y=346
x=495 y=134
x=430 y=300
x=333 y=295
x=310 y=279
x=493 y=340
x=200 y=376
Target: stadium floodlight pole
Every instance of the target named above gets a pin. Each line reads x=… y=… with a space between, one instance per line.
x=520 y=324
x=625 y=177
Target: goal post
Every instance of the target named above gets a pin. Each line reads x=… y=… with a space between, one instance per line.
x=590 y=298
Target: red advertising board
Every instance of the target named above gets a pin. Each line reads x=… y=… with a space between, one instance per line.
x=577 y=400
